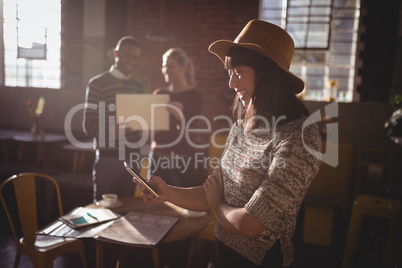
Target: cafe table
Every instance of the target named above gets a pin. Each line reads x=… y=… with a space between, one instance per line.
x=40 y=142
x=188 y=226
x=6 y=135
x=80 y=154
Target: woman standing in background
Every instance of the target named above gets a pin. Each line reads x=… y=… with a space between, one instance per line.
x=178 y=71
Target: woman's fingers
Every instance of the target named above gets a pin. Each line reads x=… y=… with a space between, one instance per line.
x=220 y=173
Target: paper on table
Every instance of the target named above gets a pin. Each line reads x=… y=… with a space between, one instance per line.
x=61 y=229
x=133 y=229
x=81 y=217
x=138 y=229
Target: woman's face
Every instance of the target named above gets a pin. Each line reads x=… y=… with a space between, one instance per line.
x=172 y=71
x=242 y=80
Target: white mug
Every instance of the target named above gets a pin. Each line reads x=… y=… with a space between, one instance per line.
x=109 y=199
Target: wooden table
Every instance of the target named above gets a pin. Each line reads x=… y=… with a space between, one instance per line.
x=40 y=142
x=80 y=154
x=186 y=227
x=6 y=135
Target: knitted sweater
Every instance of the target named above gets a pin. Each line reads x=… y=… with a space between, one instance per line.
x=101 y=93
x=268 y=173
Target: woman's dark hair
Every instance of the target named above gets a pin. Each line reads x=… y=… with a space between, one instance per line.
x=273 y=95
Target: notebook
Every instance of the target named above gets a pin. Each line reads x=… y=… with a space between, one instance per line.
x=82 y=217
x=142 y=111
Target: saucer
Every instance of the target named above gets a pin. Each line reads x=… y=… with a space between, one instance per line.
x=101 y=203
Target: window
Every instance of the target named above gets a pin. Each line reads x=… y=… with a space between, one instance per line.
x=325 y=33
x=31 y=43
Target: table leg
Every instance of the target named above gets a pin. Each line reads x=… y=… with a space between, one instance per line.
x=20 y=152
x=155 y=257
x=75 y=162
x=78 y=162
x=99 y=254
x=40 y=154
x=5 y=151
x=81 y=162
x=122 y=259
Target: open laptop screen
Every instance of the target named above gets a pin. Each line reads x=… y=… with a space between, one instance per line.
x=142 y=111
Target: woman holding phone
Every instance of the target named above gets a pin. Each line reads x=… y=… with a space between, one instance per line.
x=265 y=169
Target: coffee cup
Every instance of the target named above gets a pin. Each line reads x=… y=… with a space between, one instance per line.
x=109 y=200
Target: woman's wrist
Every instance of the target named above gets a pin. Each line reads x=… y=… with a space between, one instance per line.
x=169 y=190
x=216 y=206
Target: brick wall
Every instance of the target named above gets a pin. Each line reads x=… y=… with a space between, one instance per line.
x=195 y=24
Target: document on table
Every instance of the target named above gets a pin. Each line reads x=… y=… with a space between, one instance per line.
x=80 y=223
x=61 y=229
x=82 y=217
x=138 y=229
x=134 y=228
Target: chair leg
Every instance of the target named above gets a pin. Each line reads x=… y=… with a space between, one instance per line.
x=17 y=258
x=42 y=263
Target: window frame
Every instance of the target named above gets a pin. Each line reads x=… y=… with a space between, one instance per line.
x=344 y=76
x=30 y=70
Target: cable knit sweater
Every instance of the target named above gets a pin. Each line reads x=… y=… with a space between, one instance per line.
x=268 y=173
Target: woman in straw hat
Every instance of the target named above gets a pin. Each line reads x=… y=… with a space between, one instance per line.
x=266 y=167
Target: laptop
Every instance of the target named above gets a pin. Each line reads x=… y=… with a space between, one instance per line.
x=142 y=111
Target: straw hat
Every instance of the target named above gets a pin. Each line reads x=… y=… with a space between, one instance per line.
x=267 y=39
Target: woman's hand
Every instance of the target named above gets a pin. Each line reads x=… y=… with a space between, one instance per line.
x=159 y=186
x=213 y=188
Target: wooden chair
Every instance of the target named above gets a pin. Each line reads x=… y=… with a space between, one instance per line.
x=19 y=199
x=382 y=247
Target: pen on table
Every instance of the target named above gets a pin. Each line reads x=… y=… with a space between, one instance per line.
x=92 y=216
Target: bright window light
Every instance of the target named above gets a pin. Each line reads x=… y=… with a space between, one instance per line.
x=31 y=35
x=325 y=34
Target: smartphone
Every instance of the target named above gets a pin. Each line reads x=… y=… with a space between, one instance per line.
x=140 y=180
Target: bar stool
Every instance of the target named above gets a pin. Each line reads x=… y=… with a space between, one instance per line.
x=386 y=209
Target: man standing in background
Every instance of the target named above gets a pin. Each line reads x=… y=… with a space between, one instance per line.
x=109 y=174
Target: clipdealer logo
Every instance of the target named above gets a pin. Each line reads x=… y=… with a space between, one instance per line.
x=186 y=128
x=331 y=155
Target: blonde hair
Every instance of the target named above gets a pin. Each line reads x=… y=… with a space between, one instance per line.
x=184 y=60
